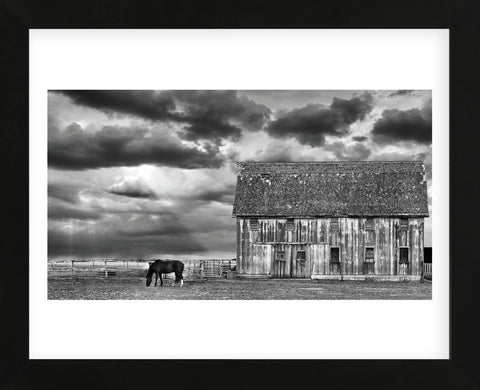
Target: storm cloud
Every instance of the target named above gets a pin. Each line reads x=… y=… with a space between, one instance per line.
x=203 y=115
x=113 y=146
x=310 y=124
x=215 y=115
x=413 y=125
x=153 y=105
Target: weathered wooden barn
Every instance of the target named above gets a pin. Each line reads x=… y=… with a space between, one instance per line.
x=331 y=220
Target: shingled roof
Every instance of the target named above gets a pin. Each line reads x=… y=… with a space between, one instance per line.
x=342 y=188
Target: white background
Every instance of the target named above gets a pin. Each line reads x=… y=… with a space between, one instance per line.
x=238 y=59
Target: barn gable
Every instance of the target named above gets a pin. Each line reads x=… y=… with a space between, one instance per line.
x=332 y=189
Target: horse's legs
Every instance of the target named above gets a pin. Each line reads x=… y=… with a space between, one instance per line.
x=156 y=278
x=161 y=280
x=180 y=277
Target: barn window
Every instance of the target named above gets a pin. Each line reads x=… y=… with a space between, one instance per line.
x=404 y=224
x=334 y=225
x=280 y=256
x=404 y=256
x=301 y=258
x=369 y=225
x=335 y=254
x=369 y=254
x=254 y=224
x=290 y=224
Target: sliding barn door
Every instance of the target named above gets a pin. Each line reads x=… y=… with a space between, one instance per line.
x=291 y=261
x=301 y=264
x=281 y=261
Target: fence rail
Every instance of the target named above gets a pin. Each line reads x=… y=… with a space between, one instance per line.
x=194 y=269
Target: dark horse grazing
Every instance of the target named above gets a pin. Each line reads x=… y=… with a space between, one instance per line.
x=159 y=267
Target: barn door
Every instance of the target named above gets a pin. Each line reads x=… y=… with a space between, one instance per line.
x=300 y=261
x=281 y=261
x=291 y=261
x=404 y=261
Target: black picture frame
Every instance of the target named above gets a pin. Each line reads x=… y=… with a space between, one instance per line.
x=460 y=371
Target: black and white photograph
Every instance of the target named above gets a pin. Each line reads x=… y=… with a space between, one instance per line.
x=240 y=194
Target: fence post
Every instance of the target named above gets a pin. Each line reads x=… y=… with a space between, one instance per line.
x=106 y=271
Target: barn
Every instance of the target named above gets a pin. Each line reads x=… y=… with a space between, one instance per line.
x=331 y=220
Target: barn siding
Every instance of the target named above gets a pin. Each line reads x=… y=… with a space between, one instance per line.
x=256 y=249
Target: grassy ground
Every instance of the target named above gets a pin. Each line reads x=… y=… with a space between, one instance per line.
x=84 y=287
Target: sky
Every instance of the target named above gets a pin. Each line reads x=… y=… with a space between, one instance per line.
x=151 y=174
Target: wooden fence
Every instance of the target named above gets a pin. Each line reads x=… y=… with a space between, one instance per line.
x=194 y=269
x=427 y=269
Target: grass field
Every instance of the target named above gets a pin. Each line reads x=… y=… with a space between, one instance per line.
x=85 y=287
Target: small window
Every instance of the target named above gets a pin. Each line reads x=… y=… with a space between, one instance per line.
x=301 y=256
x=404 y=224
x=370 y=255
x=335 y=255
x=280 y=256
x=404 y=256
x=254 y=224
x=369 y=224
x=290 y=224
x=334 y=225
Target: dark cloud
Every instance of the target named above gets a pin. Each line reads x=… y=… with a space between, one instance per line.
x=59 y=212
x=217 y=115
x=151 y=105
x=401 y=92
x=75 y=149
x=359 y=138
x=132 y=189
x=311 y=123
x=355 y=152
x=354 y=109
x=204 y=115
x=413 y=125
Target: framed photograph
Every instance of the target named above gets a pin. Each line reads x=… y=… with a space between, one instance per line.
x=316 y=202
x=239 y=194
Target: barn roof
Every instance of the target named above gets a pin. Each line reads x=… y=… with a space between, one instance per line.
x=342 y=188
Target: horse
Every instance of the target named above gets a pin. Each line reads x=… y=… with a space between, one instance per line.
x=159 y=267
